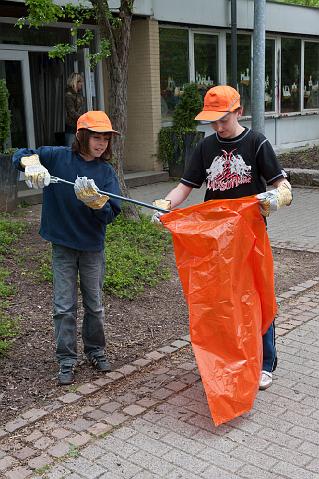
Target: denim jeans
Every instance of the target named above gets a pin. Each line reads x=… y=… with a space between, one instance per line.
x=67 y=265
x=269 y=350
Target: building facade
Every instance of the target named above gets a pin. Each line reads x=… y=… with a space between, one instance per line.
x=173 y=42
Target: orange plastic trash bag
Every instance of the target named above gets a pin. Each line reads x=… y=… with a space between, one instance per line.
x=225 y=265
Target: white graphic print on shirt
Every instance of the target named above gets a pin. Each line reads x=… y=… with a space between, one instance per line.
x=228 y=171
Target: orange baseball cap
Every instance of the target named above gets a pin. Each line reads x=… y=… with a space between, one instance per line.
x=219 y=101
x=96 y=121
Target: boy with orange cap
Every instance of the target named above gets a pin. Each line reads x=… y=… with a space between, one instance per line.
x=234 y=162
x=75 y=224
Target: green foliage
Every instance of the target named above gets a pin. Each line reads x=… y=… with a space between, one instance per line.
x=189 y=106
x=10 y=230
x=44 y=12
x=305 y=3
x=171 y=139
x=134 y=252
x=8 y=330
x=5 y=117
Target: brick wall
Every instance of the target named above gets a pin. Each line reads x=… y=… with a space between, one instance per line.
x=144 y=106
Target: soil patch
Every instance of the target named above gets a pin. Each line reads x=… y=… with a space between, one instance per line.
x=154 y=319
x=306 y=158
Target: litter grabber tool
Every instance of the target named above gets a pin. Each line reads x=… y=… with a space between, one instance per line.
x=55 y=179
x=37 y=176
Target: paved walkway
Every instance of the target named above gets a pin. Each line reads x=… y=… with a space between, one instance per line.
x=150 y=419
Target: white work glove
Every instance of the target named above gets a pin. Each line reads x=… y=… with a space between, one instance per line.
x=165 y=204
x=274 y=199
x=86 y=191
x=36 y=175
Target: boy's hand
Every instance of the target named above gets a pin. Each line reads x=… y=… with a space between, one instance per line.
x=86 y=191
x=274 y=199
x=165 y=204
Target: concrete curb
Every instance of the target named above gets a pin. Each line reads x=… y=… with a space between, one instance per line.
x=303 y=177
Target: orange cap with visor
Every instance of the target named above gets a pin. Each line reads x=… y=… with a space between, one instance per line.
x=219 y=101
x=97 y=121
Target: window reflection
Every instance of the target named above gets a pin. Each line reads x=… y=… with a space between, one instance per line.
x=270 y=73
x=311 y=78
x=243 y=69
x=206 y=61
x=173 y=67
x=290 y=75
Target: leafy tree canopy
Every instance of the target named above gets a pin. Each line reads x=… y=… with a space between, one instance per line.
x=306 y=3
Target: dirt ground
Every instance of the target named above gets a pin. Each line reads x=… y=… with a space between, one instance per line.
x=304 y=158
x=156 y=318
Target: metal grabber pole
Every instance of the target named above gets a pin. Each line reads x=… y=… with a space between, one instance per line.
x=55 y=179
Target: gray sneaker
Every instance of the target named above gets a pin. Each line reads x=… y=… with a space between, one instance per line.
x=66 y=374
x=100 y=363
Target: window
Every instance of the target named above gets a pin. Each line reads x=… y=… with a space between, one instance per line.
x=311 y=75
x=270 y=75
x=243 y=69
x=206 y=61
x=290 y=75
x=174 y=58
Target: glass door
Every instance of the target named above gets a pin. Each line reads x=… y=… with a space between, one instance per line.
x=14 y=69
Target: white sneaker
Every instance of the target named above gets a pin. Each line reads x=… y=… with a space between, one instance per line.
x=265 y=380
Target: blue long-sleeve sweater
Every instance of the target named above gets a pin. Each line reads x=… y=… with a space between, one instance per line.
x=65 y=220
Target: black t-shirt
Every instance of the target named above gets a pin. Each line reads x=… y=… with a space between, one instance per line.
x=233 y=168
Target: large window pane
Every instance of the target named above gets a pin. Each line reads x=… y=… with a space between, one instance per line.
x=311 y=79
x=270 y=76
x=290 y=75
x=9 y=34
x=243 y=69
x=206 y=61
x=173 y=67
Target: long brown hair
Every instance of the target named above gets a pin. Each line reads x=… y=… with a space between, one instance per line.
x=81 y=144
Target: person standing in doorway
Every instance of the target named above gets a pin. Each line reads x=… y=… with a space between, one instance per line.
x=74 y=106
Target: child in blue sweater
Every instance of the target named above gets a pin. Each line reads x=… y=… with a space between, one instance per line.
x=74 y=221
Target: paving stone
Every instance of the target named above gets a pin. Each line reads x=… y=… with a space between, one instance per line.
x=167 y=349
x=24 y=453
x=34 y=436
x=133 y=410
x=179 y=344
x=34 y=414
x=16 y=424
x=85 y=468
x=79 y=440
x=87 y=389
x=69 y=398
x=115 y=419
x=147 y=402
x=102 y=381
x=80 y=424
x=141 y=362
x=118 y=465
x=43 y=443
x=154 y=355
x=176 y=385
x=39 y=462
x=99 y=429
x=6 y=462
x=19 y=473
x=60 y=433
x=3 y=433
x=59 y=449
x=127 y=369
x=110 y=406
x=114 y=375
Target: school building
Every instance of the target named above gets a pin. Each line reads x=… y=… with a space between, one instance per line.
x=173 y=42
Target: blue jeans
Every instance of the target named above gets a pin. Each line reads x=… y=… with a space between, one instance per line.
x=269 y=349
x=67 y=264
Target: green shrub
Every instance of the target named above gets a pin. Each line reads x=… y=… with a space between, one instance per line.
x=5 y=117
